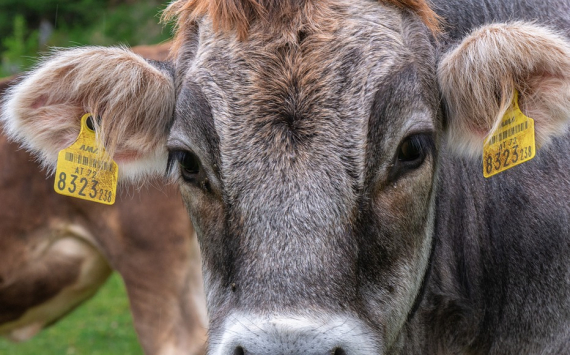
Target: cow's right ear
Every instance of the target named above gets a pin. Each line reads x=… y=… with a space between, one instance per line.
x=132 y=98
x=479 y=78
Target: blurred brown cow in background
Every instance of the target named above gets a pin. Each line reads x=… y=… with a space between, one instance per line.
x=57 y=251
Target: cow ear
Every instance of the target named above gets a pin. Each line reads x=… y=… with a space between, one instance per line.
x=133 y=100
x=478 y=79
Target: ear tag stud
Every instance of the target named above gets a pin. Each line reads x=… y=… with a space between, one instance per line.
x=512 y=144
x=85 y=170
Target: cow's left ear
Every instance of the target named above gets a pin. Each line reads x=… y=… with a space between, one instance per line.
x=478 y=79
x=132 y=98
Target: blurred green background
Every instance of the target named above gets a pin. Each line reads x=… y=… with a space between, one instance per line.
x=30 y=27
x=101 y=326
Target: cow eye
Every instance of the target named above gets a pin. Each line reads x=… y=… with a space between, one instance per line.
x=411 y=153
x=189 y=164
x=411 y=149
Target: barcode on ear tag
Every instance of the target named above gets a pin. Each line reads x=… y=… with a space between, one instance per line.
x=84 y=170
x=512 y=144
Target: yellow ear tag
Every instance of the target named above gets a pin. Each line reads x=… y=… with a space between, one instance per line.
x=512 y=144
x=84 y=170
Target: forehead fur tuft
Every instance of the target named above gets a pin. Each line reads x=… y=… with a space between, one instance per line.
x=228 y=15
x=422 y=9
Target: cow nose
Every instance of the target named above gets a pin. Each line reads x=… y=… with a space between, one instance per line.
x=246 y=335
x=337 y=351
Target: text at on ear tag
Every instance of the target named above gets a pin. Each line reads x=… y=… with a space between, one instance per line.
x=512 y=144
x=85 y=170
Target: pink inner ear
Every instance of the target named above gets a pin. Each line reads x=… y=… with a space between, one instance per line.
x=39 y=102
x=126 y=156
x=543 y=84
x=533 y=88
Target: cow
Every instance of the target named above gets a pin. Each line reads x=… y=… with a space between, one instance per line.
x=329 y=153
x=56 y=252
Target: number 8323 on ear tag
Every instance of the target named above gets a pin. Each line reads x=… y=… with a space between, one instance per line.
x=85 y=170
x=512 y=144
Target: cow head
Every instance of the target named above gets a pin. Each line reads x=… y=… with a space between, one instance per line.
x=304 y=136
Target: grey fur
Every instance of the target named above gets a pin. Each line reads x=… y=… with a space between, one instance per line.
x=307 y=211
x=288 y=218
x=500 y=278
x=461 y=16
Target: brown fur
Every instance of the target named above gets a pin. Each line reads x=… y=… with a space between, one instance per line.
x=422 y=9
x=146 y=233
x=154 y=52
x=522 y=56
x=238 y=15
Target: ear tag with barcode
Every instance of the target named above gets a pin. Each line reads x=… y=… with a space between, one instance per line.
x=512 y=144
x=85 y=170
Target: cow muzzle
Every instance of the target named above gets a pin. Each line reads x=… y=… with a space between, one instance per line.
x=247 y=335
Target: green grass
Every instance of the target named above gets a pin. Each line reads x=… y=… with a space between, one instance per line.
x=74 y=23
x=101 y=326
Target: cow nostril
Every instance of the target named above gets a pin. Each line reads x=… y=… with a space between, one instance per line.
x=339 y=351
x=239 y=351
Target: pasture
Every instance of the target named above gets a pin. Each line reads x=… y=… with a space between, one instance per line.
x=101 y=326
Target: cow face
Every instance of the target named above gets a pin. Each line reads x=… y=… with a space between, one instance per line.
x=305 y=148
x=307 y=166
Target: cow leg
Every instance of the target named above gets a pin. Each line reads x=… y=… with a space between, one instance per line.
x=162 y=275
x=167 y=307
